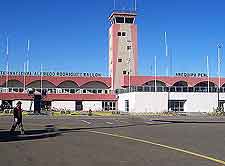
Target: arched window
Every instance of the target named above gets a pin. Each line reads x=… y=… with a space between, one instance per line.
x=95 y=85
x=180 y=83
x=37 y=84
x=203 y=87
x=14 y=84
x=68 y=84
x=152 y=83
x=205 y=84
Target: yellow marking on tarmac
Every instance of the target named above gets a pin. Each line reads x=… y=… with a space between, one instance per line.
x=123 y=121
x=109 y=123
x=161 y=145
x=148 y=123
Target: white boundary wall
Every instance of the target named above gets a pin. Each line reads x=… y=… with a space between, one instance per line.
x=197 y=102
x=144 y=102
x=158 y=101
x=70 y=105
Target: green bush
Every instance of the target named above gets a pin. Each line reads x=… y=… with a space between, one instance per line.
x=219 y=111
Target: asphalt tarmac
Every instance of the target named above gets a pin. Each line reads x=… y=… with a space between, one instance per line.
x=122 y=140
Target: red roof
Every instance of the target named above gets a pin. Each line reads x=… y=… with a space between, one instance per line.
x=169 y=81
x=57 y=80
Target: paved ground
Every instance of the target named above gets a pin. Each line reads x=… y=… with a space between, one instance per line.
x=125 y=141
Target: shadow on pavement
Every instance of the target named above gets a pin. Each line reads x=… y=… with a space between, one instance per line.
x=107 y=127
x=187 y=121
x=51 y=131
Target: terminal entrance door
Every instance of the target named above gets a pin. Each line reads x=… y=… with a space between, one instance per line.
x=176 y=105
x=37 y=104
x=79 y=106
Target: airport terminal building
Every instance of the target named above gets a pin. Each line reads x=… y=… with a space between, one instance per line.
x=122 y=90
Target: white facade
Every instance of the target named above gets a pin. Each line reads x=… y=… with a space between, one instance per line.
x=69 y=105
x=93 y=105
x=27 y=105
x=159 y=101
x=144 y=102
x=197 y=102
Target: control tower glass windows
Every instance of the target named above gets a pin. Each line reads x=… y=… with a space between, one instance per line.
x=129 y=20
x=119 y=19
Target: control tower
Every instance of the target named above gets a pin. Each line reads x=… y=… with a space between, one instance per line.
x=122 y=47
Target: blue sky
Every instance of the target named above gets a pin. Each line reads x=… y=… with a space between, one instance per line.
x=72 y=35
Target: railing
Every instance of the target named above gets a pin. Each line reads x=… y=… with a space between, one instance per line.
x=170 y=89
x=58 y=90
x=118 y=91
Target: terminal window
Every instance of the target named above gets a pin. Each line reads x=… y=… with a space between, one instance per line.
x=127 y=105
x=108 y=105
x=119 y=34
x=123 y=33
x=176 y=105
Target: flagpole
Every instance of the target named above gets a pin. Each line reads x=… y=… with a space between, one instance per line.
x=219 y=47
x=24 y=76
x=129 y=72
x=28 y=52
x=219 y=63
x=7 y=64
x=41 y=79
x=155 y=74
x=207 y=61
x=166 y=47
